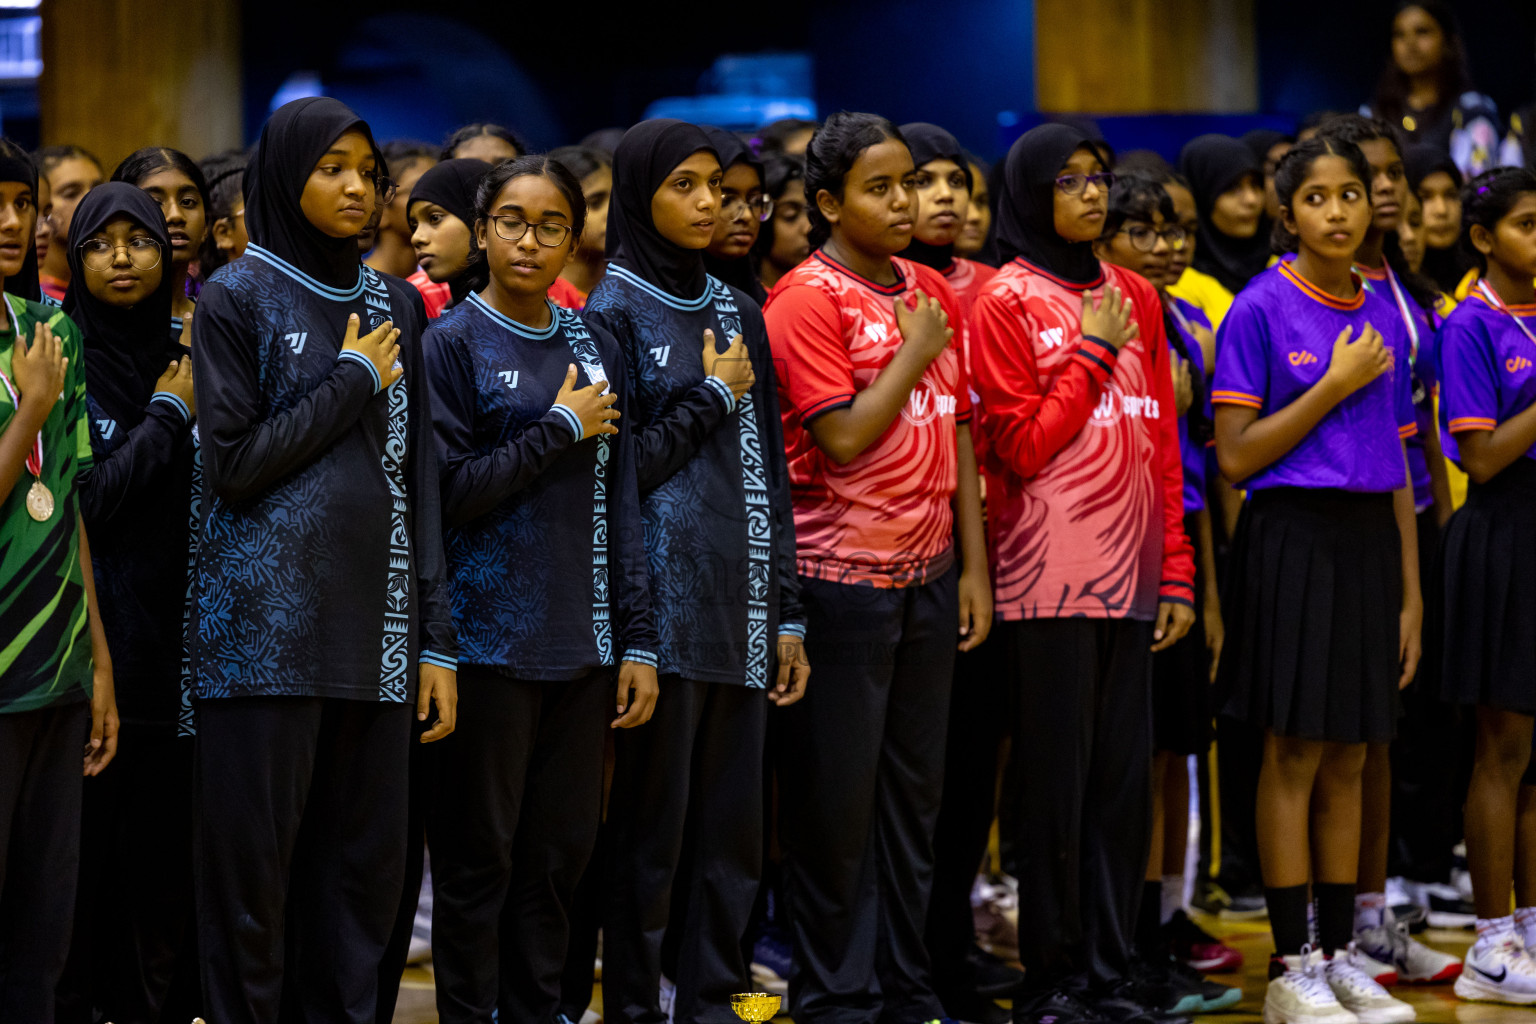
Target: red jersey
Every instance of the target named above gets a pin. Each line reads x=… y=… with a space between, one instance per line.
x=965 y=278
x=885 y=518
x=434 y=294
x=1084 y=483
x=566 y=295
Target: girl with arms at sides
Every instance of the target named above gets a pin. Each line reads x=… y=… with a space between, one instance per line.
x=537 y=464
x=876 y=414
x=480 y=141
x=1384 y=950
x=225 y=239
x=586 y=267
x=322 y=616
x=56 y=689
x=1228 y=183
x=1141 y=234
x=1322 y=604
x=71 y=173
x=1072 y=367
x=783 y=243
x=177 y=184
x=714 y=496
x=441 y=216
x=743 y=208
x=1483 y=644
x=135 y=911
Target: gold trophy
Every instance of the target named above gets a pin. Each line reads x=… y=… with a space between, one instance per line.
x=758 y=1006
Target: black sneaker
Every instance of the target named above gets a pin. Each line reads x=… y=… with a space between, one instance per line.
x=1450 y=912
x=991 y=976
x=1214 y=996
x=973 y=1008
x=1155 y=986
x=1056 y=1006
x=1122 y=1005
x=1245 y=905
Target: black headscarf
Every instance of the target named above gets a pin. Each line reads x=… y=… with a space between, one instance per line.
x=649 y=152
x=1261 y=140
x=1446 y=267
x=929 y=142
x=1026 y=212
x=738 y=272
x=126 y=350
x=452 y=184
x=15 y=165
x=292 y=142
x=1213 y=164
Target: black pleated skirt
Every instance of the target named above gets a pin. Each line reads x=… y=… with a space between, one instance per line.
x=1313 y=594
x=1481 y=613
x=1182 y=718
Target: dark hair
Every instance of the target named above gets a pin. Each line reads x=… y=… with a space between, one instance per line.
x=1487 y=199
x=1142 y=161
x=1358 y=128
x=582 y=160
x=770 y=138
x=1391 y=100
x=475 y=131
x=141 y=163
x=224 y=174
x=1136 y=196
x=779 y=169
x=539 y=164
x=49 y=157
x=832 y=152
x=401 y=153
x=1293 y=169
x=605 y=140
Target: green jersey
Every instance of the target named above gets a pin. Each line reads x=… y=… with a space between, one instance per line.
x=45 y=639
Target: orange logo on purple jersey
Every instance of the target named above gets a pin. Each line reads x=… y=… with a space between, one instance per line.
x=1301 y=358
x=1515 y=364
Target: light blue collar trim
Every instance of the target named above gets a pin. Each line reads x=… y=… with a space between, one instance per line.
x=689 y=305
x=516 y=327
x=323 y=290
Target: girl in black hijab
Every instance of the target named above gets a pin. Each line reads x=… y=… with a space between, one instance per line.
x=1228 y=182
x=139 y=504
x=930 y=143
x=16 y=165
x=743 y=208
x=1436 y=179
x=318 y=468
x=714 y=494
x=442 y=219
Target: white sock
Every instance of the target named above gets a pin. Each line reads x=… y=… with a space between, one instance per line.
x=1493 y=929
x=1370 y=909
x=1173 y=896
x=1525 y=924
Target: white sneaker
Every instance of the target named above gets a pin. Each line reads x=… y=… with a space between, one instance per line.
x=1411 y=961
x=1302 y=994
x=1361 y=994
x=1497 y=970
x=1379 y=969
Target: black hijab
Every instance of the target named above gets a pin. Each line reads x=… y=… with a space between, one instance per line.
x=738 y=272
x=126 y=350
x=1026 y=212
x=1261 y=140
x=645 y=156
x=1214 y=163
x=1446 y=267
x=292 y=141
x=452 y=184
x=929 y=142
x=15 y=165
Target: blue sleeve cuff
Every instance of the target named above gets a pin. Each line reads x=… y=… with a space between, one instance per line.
x=571 y=419
x=723 y=390
x=640 y=657
x=792 y=629
x=175 y=401
x=433 y=658
x=358 y=357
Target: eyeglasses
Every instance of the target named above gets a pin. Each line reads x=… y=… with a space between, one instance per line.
x=1073 y=184
x=760 y=205
x=1144 y=238
x=384 y=189
x=547 y=233
x=98 y=254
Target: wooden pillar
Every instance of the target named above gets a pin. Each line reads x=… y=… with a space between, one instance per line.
x=121 y=74
x=1146 y=56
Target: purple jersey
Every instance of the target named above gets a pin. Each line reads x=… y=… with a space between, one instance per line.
x=1276 y=342
x=1420 y=335
x=1487 y=367
x=1192 y=453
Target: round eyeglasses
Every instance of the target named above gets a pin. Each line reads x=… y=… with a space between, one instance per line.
x=1073 y=184
x=760 y=205
x=1144 y=237
x=98 y=254
x=547 y=233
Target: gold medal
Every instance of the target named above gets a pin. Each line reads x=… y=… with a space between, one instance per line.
x=40 y=502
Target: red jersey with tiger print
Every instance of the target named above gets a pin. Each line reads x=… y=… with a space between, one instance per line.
x=1085 y=498
x=885 y=518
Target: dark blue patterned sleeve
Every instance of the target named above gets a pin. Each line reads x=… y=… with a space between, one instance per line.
x=766 y=399
x=246 y=453
x=125 y=467
x=673 y=436
x=632 y=581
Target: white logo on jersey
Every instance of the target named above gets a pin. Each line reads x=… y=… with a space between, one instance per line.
x=296 y=341
x=106 y=428
x=924 y=405
x=661 y=353
x=509 y=377
x=877 y=333
x=1113 y=404
x=1053 y=337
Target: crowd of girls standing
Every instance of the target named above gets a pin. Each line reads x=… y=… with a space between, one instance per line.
x=534 y=486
